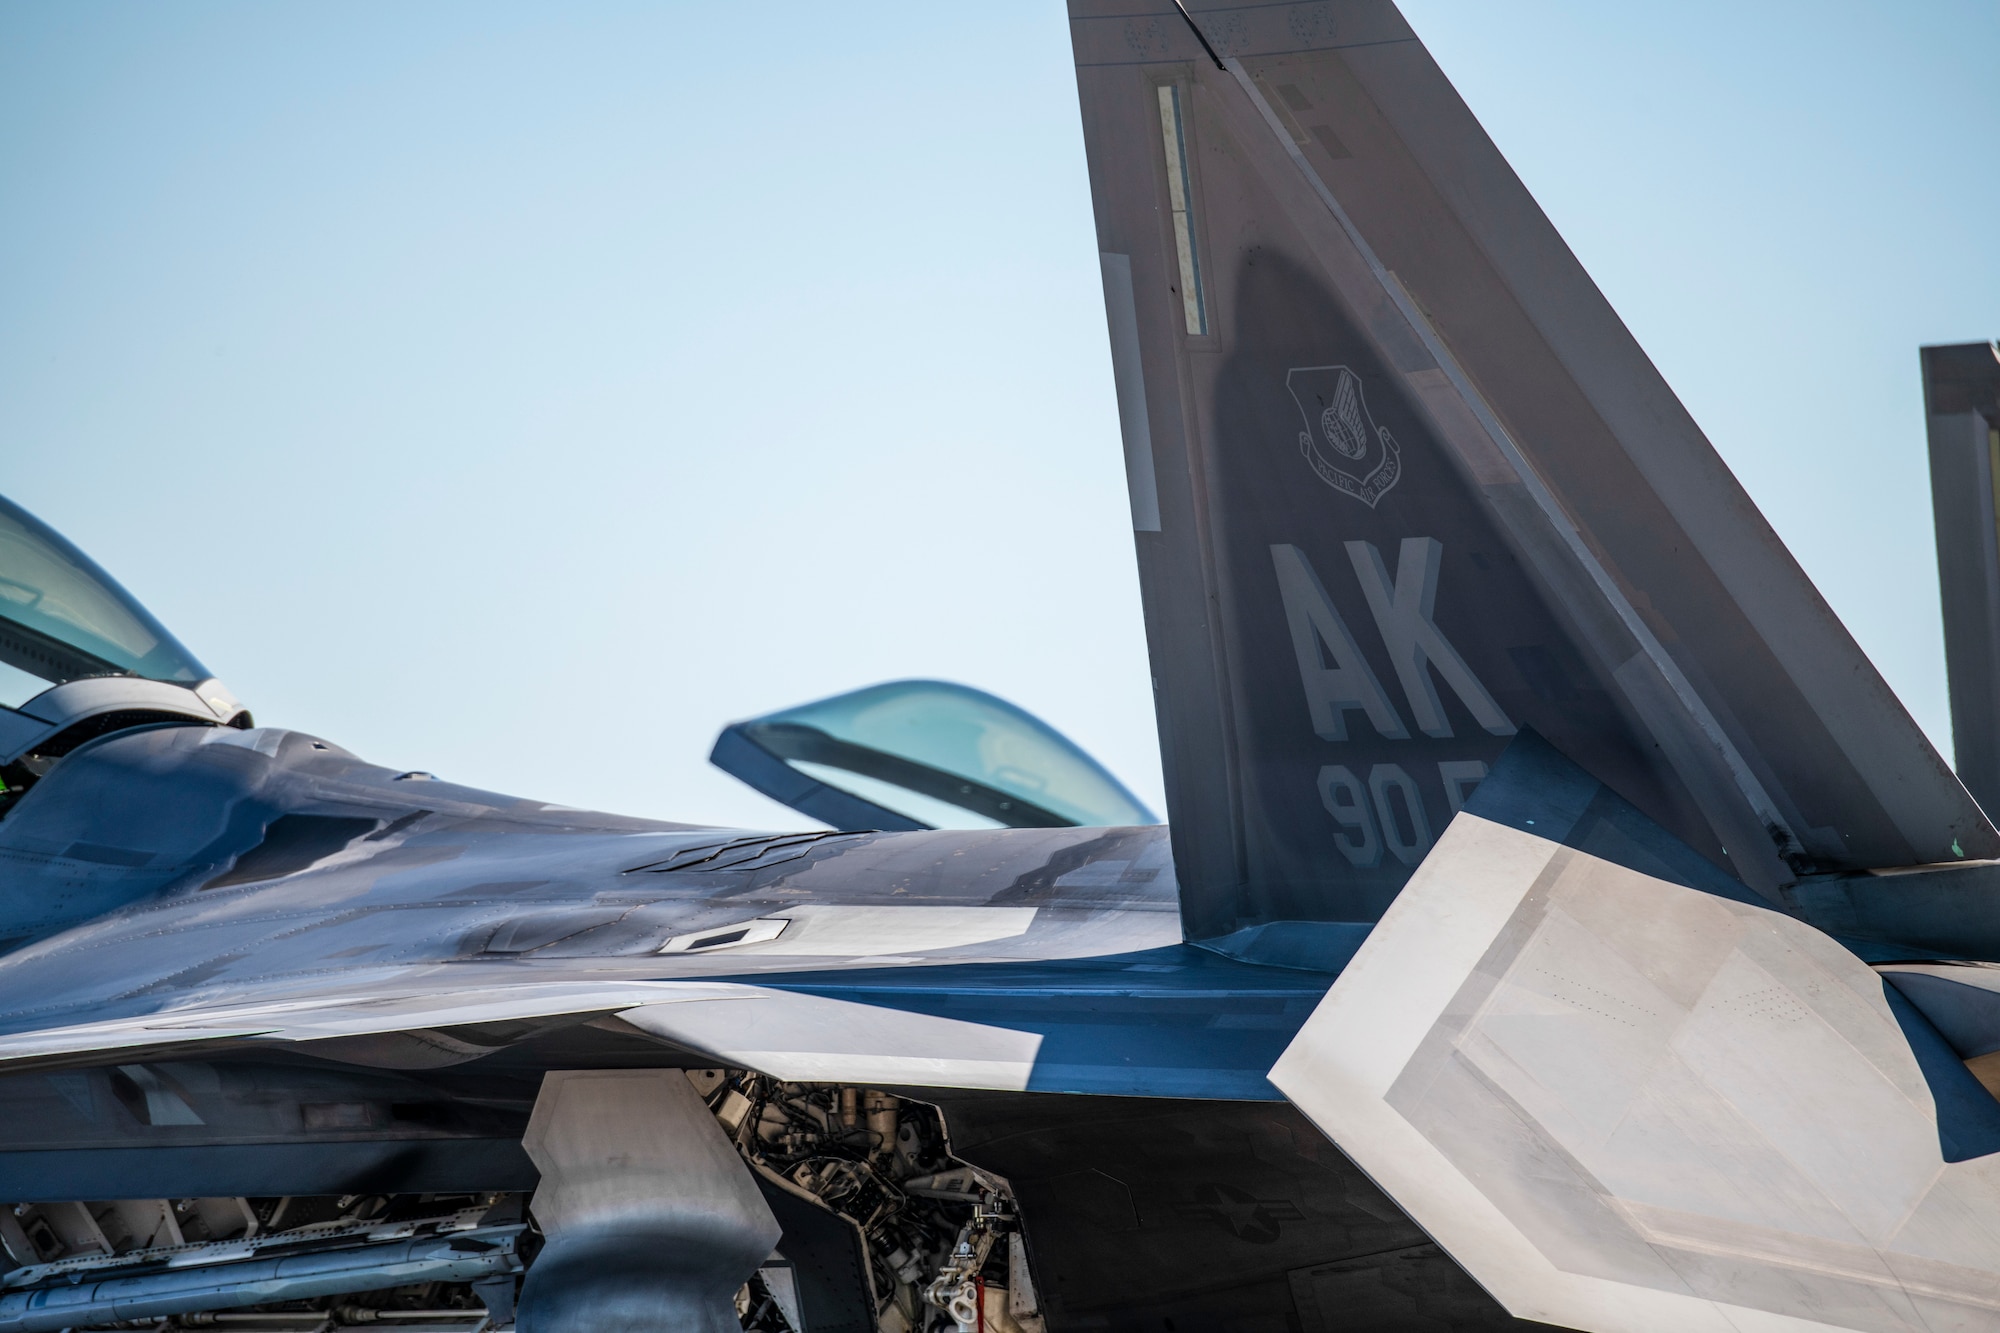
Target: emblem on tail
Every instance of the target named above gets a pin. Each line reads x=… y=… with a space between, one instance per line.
x=1346 y=448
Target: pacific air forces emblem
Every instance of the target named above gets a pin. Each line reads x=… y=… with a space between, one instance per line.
x=1341 y=441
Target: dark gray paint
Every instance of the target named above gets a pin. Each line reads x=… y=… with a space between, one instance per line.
x=134 y=880
x=468 y=1256
x=1962 y=410
x=1603 y=574
x=1154 y=1215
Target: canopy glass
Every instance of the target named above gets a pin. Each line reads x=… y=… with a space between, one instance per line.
x=62 y=618
x=925 y=754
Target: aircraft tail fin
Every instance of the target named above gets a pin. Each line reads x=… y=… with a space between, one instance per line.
x=1403 y=485
x=1962 y=409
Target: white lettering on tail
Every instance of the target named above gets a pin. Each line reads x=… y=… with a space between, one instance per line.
x=1349 y=682
x=1402 y=611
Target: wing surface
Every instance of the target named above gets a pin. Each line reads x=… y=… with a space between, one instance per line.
x=1166 y=1022
x=193 y=890
x=1403 y=485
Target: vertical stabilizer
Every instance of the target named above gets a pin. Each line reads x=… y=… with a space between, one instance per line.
x=1962 y=409
x=1403 y=486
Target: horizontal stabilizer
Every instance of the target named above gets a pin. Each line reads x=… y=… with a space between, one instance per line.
x=1403 y=486
x=1625 y=1097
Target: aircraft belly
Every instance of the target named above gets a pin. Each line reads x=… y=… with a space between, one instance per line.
x=1150 y=1213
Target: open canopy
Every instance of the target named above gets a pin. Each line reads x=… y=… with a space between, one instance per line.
x=915 y=754
x=62 y=618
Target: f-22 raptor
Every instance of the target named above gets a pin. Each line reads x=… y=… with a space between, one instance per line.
x=1558 y=920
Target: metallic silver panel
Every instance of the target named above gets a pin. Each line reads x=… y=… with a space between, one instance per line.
x=1623 y=1104
x=1130 y=374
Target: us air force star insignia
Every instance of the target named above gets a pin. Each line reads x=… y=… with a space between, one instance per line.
x=1341 y=441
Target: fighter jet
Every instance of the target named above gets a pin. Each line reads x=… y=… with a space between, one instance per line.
x=1558 y=921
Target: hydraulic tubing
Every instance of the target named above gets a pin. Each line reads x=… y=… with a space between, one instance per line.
x=464 y=1256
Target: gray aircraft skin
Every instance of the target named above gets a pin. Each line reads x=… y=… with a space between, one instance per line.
x=1558 y=921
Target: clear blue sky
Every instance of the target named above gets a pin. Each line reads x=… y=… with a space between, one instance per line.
x=522 y=391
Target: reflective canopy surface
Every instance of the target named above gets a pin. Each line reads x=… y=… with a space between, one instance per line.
x=938 y=754
x=62 y=618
